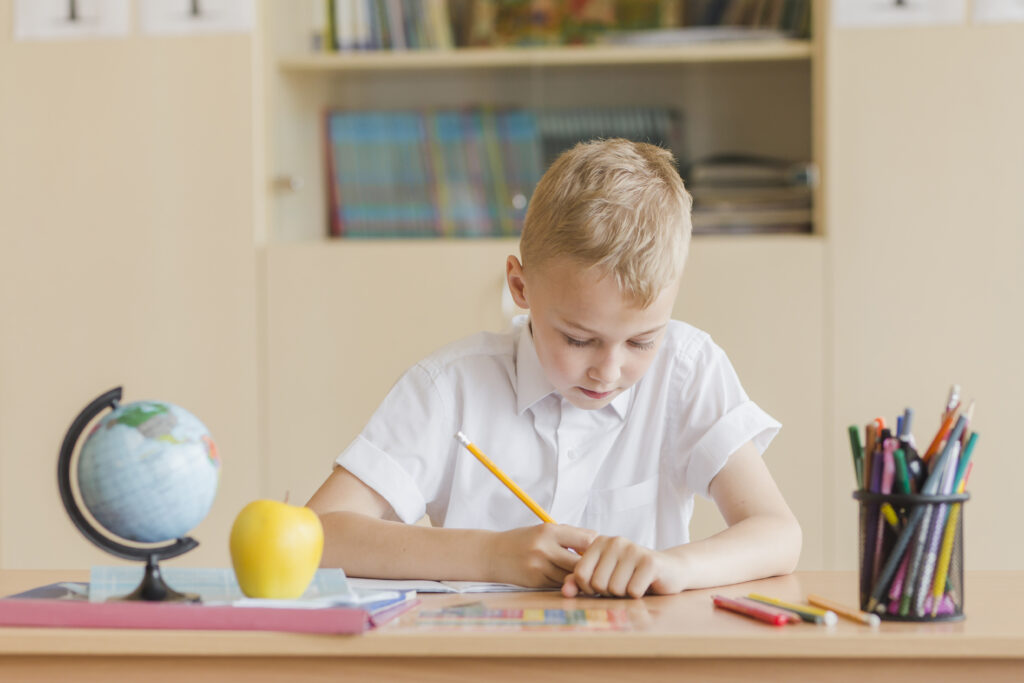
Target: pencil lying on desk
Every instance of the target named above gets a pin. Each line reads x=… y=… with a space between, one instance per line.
x=847 y=612
x=755 y=610
x=512 y=486
x=814 y=615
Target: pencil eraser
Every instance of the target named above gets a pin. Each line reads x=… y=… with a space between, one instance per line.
x=831 y=618
x=874 y=621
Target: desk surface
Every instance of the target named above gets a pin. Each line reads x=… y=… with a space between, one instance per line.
x=665 y=629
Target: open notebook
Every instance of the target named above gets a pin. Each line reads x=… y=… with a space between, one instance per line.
x=424 y=586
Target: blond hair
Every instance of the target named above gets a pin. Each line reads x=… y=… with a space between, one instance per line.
x=616 y=205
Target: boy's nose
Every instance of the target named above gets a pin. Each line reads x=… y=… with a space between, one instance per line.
x=606 y=369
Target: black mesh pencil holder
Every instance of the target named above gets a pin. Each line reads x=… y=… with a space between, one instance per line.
x=912 y=556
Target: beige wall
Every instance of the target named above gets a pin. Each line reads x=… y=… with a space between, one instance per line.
x=925 y=171
x=126 y=258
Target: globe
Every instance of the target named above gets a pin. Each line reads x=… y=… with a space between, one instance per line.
x=148 y=471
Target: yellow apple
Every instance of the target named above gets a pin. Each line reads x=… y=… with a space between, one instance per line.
x=275 y=549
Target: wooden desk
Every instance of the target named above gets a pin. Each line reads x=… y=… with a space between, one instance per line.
x=673 y=638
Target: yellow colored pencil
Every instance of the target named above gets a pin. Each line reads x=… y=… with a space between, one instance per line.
x=890 y=516
x=847 y=612
x=946 y=552
x=805 y=612
x=496 y=471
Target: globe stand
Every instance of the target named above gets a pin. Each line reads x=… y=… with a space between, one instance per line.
x=153 y=587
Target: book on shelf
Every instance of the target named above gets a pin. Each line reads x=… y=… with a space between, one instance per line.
x=349 y=25
x=739 y=193
x=749 y=169
x=458 y=172
x=560 y=129
x=750 y=220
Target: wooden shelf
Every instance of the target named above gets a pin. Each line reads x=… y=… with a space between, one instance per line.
x=497 y=58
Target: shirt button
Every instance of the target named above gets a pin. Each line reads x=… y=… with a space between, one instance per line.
x=572 y=453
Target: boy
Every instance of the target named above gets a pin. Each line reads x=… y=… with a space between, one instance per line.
x=609 y=414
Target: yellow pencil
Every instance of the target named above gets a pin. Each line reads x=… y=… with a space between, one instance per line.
x=512 y=486
x=848 y=612
x=946 y=552
x=811 y=614
x=890 y=516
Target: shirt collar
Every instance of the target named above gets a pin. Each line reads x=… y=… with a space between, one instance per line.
x=532 y=384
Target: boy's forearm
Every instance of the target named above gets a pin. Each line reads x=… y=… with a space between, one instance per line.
x=754 y=548
x=369 y=547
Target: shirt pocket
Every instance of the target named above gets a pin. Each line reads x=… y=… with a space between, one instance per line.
x=627 y=511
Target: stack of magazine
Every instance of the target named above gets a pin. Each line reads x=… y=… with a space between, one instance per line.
x=735 y=193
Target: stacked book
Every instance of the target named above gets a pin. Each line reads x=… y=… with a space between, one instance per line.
x=459 y=172
x=750 y=194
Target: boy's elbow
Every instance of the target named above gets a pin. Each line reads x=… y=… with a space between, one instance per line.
x=792 y=540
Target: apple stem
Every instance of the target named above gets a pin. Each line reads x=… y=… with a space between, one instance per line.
x=286 y=494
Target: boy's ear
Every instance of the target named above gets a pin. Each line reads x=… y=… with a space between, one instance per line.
x=516 y=283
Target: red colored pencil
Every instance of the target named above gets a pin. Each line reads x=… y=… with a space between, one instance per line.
x=755 y=610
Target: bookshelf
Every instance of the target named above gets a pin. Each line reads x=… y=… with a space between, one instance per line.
x=752 y=96
x=506 y=57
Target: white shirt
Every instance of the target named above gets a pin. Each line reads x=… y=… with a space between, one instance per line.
x=629 y=469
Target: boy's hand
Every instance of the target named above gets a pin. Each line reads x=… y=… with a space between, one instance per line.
x=538 y=556
x=613 y=565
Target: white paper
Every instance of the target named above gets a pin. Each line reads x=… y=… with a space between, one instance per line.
x=183 y=17
x=353 y=599
x=71 y=19
x=877 y=13
x=998 y=11
x=425 y=586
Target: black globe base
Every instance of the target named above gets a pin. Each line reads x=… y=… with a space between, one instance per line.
x=153 y=588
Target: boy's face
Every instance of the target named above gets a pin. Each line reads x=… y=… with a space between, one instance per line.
x=592 y=342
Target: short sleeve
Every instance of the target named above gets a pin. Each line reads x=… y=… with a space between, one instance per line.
x=403 y=451
x=717 y=417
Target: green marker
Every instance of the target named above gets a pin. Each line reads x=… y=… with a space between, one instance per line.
x=858 y=455
x=902 y=471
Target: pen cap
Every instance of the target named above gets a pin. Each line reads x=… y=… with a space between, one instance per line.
x=911 y=555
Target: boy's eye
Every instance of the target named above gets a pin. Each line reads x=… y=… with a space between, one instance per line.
x=573 y=341
x=643 y=346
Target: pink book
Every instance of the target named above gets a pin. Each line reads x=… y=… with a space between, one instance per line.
x=65 y=613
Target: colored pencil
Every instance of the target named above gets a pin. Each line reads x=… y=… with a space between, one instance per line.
x=903 y=541
x=846 y=612
x=940 y=513
x=947 y=423
x=755 y=610
x=946 y=552
x=811 y=615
